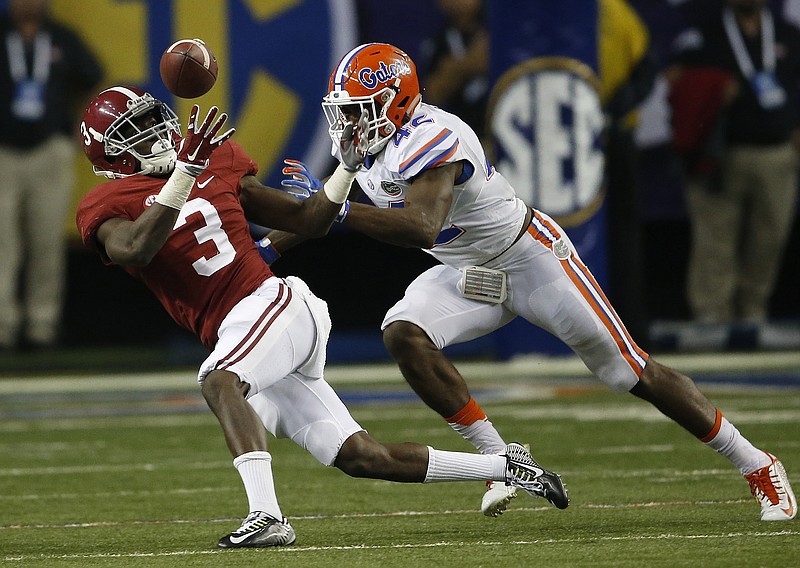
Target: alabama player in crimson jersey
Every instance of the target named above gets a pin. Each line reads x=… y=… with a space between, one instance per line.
x=175 y=216
x=432 y=187
x=195 y=294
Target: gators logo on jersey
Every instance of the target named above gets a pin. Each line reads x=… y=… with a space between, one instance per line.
x=391 y=189
x=561 y=249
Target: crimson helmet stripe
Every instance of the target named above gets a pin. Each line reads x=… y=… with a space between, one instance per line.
x=339 y=75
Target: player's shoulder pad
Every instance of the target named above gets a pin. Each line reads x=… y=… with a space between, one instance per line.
x=232 y=153
x=427 y=141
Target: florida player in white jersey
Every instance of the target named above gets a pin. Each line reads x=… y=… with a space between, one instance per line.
x=175 y=216
x=433 y=188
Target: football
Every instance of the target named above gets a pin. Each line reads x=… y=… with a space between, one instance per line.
x=188 y=68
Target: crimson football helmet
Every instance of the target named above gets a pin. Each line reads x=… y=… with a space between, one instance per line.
x=377 y=77
x=126 y=131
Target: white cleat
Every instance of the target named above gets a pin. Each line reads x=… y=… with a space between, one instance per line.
x=771 y=488
x=259 y=530
x=497 y=497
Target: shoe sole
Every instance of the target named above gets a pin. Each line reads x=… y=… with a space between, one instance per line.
x=256 y=544
x=561 y=500
x=267 y=541
x=499 y=507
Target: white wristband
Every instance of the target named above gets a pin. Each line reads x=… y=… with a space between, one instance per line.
x=176 y=191
x=338 y=185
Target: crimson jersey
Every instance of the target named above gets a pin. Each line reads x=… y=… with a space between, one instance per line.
x=209 y=262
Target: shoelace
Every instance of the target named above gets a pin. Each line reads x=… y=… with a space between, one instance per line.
x=254 y=524
x=528 y=479
x=761 y=482
x=521 y=454
x=523 y=474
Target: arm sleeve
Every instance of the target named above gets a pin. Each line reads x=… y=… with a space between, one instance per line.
x=428 y=147
x=92 y=212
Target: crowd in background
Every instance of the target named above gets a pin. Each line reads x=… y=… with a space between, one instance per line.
x=47 y=75
x=668 y=156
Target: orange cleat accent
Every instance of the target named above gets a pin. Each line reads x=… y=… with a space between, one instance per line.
x=771 y=488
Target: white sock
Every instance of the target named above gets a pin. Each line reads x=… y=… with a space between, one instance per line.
x=473 y=425
x=459 y=466
x=483 y=435
x=255 y=468
x=727 y=440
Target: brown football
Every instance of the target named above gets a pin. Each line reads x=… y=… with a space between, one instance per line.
x=188 y=68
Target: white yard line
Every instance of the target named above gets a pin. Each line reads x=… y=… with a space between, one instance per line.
x=527 y=366
x=441 y=544
x=406 y=412
x=86 y=469
x=342 y=516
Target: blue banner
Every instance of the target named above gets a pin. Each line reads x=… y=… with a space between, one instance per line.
x=275 y=57
x=545 y=121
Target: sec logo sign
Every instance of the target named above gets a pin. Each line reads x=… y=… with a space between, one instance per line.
x=546 y=123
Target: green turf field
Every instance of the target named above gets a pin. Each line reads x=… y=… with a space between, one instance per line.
x=93 y=475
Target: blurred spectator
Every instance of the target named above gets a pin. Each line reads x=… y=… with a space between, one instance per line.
x=734 y=95
x=455 y=63
x=627 y=75
x=46 y=73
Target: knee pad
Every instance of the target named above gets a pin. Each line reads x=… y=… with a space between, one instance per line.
x=322 y=439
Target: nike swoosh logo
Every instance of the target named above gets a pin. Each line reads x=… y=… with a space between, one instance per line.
x=193 y=155
x=238 y=539
x=202 y=184
x=789 y=511
x=538 y=472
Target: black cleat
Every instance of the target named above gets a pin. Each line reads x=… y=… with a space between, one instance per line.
x=523 y=472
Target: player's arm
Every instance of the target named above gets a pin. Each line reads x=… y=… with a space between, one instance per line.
x=283 y=240
x=136 y=242
x=272 y=246
x=314 y=215
x=420 y=220
x=270 y=207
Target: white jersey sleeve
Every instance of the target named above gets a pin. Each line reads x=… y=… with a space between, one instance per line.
x=485 y=215
x=429 y=148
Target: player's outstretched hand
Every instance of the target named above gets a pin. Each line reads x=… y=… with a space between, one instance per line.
x=302 y=184
x=196 y=147
x=354 y=143
x=300 y=181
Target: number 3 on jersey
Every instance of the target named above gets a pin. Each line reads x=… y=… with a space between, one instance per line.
x=212 y=231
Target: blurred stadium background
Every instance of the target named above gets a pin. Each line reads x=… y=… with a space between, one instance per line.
x=275 y=58
x=110 y=456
